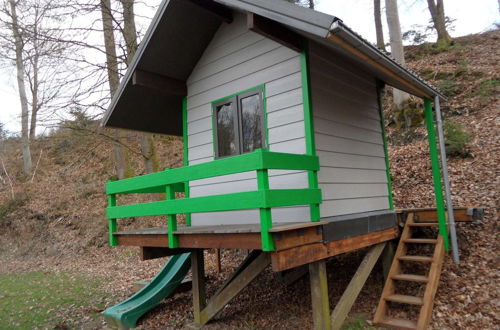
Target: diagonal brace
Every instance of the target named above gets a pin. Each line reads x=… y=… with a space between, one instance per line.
x=352 y=291
x=234 y=286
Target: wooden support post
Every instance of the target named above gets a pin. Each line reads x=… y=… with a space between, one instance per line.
x=387 y=257
x=319 y=295
x=237 y=283
x=354 y=288
x=199 y=297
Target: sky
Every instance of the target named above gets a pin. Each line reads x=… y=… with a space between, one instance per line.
x=471 y=17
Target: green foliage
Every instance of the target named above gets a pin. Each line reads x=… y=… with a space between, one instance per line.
x=450 y=87
x=456 y=139
x=487 y=88
x=44 y=300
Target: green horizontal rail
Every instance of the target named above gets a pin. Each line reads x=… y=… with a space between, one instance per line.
x=227 y=202
x=257 y=160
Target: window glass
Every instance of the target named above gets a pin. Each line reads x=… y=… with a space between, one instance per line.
x=251 y=123
x=226 y=130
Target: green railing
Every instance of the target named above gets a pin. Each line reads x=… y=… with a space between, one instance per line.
x=171 y=181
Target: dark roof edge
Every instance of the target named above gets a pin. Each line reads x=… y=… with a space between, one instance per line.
x=135 y=60
x=338 y=27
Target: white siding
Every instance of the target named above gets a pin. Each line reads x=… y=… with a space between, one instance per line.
x=238 y=59
x=348 y=136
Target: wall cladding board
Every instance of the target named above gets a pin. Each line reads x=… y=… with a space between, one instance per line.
x=236 y=60
x=348 y=136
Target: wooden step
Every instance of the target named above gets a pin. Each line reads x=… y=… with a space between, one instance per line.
x=410 y=278
x=404 y=299
x=421 y=240
x=416 y=258
x=398 y=324
x=424 y=224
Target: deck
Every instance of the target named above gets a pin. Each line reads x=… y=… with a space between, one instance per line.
x=296 y=244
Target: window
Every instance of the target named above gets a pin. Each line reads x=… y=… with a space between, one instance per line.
x=239 y=123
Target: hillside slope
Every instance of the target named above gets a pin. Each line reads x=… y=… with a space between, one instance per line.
x=57 y=220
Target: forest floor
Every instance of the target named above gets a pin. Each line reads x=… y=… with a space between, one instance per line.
x=56 y=270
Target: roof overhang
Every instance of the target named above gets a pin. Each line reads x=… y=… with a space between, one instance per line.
x=150 y=95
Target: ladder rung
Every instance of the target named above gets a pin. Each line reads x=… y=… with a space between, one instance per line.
x=424 y=224
x=403 y=299
x=410 y=278
x=421 y=240
x=398 y=324
x=416 y=258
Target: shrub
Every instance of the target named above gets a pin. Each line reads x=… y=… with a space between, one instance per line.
x=456 y=139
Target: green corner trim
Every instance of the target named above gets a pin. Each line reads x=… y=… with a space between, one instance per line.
x=309 y=126
x=386 y=151
x=436 y=171
x=185 y=144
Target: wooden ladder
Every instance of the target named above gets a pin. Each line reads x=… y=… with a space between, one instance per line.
x=430 y=281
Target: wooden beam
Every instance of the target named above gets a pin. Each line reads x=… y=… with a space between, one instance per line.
x=221 y=11
x=341 y=43
x=148 y=252
x=199 y=295
x=387 y=258
x=231 y=289
x=158 y=82
x=319 y=295
x=301 y=255
x=357 y=282
x=461 y=214
x=275 y=31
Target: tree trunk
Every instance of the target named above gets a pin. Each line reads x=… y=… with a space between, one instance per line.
x=120 y=155
x=311 y=4
x=27 y=163
x=396 y=40
x=130 y=35
x=378 y=25
x=34 y=87
x=438 y=19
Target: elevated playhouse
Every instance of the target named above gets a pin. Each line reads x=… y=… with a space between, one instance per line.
x=284 y=154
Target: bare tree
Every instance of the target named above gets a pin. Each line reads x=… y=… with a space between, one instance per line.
x=130 y=35
x=20 y=69
x=378 y=24
x=120 y=155
x=396 y=40
x=436 y=7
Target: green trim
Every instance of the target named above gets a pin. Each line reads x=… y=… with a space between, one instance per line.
x=261 y=86
x=228 y=202
x=436 y=171
x=185 y=144
x=259 y=159
x=173 y=240
x=309 y=126
x=266 y=220
x=386 y=151
x=112 y=225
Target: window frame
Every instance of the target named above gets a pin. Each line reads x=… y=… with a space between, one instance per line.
x=237 y=98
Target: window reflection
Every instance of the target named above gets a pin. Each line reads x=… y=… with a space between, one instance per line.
x=226 y=138
x=251 y=123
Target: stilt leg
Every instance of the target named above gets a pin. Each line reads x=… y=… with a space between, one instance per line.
x=387 y=257
x=319 y=295
x=199 y=297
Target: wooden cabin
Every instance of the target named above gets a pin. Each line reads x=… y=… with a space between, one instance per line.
x=280 y=113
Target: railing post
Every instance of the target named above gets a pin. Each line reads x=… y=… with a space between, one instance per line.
x=266 y=221
x=112 y=225
x=173 y=240
x=436 y=171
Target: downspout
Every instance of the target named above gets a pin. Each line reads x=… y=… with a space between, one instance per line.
x=447 y=190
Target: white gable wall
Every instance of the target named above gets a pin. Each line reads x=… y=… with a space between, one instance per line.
x=348 y=135
x=238 y=59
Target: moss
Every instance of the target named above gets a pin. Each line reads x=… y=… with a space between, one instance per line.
x=457 y=139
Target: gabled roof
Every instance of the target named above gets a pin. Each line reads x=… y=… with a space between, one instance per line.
x=150 y=95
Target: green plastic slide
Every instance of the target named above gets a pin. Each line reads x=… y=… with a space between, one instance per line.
x=125 y=314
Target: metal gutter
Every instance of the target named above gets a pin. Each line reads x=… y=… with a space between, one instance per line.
x=339 y=28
